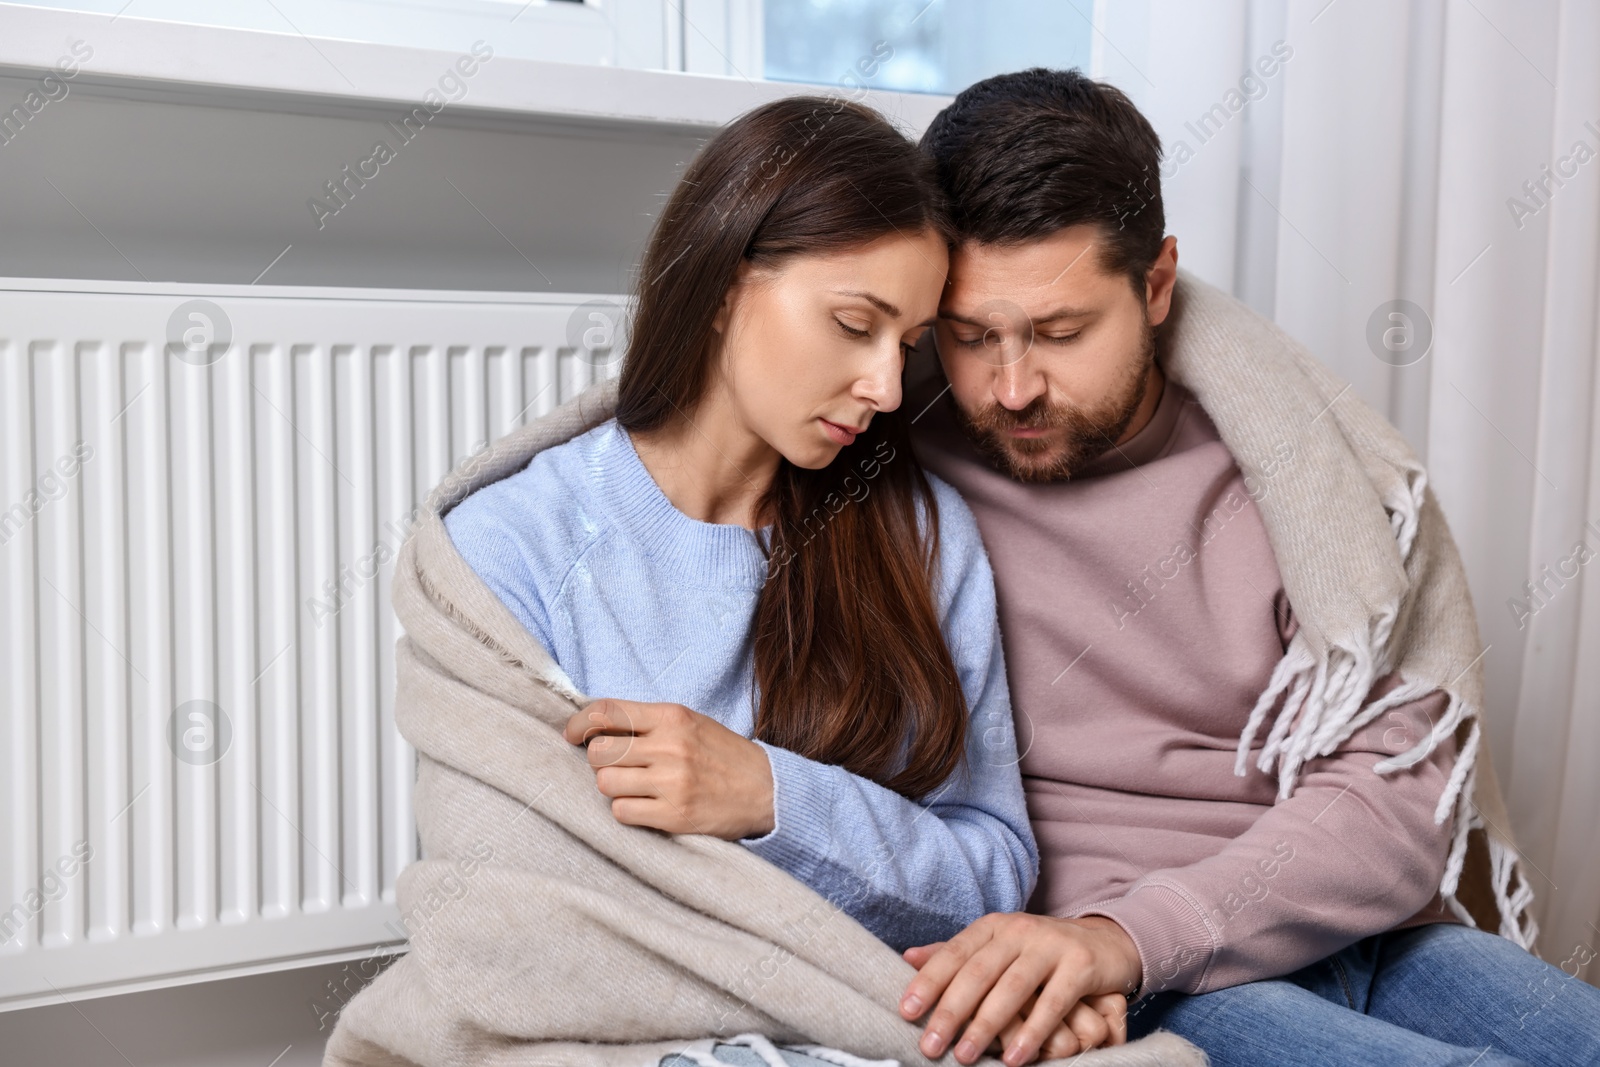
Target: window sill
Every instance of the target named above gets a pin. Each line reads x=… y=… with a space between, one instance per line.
x=156 y=60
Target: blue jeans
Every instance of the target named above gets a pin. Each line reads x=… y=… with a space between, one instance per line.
x=1434 y=995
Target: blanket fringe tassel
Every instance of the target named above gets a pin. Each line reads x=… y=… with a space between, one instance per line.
x=703 y=1052
x=1323 y=707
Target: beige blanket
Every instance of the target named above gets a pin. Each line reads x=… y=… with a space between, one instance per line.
x=544 y=932
x=1372 y=571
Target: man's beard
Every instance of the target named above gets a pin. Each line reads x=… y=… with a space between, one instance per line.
x=1081 y=435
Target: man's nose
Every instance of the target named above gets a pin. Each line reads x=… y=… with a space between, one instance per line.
x=1018 y=384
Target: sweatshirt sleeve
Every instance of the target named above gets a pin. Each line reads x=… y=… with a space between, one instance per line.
x=918 y=872
x=1349 y=854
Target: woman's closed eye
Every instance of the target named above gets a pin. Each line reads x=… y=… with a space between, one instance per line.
x=861 y=333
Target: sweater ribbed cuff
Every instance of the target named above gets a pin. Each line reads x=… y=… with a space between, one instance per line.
x=1174 y=936
x=802 y=810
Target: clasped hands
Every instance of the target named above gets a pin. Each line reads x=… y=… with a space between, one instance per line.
x=1040 y=987
x=1030 y=985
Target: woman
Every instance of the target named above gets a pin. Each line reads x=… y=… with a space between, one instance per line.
x=748 y=563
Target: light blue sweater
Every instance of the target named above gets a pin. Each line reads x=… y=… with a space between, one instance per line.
x=638 y=601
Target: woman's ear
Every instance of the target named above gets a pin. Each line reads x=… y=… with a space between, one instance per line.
x=719 y=324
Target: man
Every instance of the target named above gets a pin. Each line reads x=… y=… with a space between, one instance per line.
x=1268 y=919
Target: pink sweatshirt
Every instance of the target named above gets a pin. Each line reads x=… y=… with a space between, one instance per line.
x=1142 y=613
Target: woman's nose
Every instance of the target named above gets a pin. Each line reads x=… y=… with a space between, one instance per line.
x=881 y=386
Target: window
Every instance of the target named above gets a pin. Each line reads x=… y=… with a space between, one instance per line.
x=928 y=46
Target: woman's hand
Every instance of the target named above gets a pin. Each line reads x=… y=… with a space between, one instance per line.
x=673 y=769
x=1093 y=1021
x=1049 y=971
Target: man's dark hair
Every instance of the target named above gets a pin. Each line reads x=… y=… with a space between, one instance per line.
x=1024 y=155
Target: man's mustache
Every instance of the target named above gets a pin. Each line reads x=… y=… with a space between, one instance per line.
x=1038 y=415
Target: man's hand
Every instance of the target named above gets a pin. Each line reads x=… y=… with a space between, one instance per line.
x=984 y=977
x=1092 y=1022
x=674 y=769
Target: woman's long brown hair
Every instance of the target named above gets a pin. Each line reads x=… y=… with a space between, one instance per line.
x=851 y=667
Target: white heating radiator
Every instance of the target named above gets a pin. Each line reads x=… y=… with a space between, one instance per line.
x=199 y=772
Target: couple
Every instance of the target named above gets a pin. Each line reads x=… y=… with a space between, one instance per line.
x=811 y=605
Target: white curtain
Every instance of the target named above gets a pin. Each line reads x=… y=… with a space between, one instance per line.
x=1380 y=154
